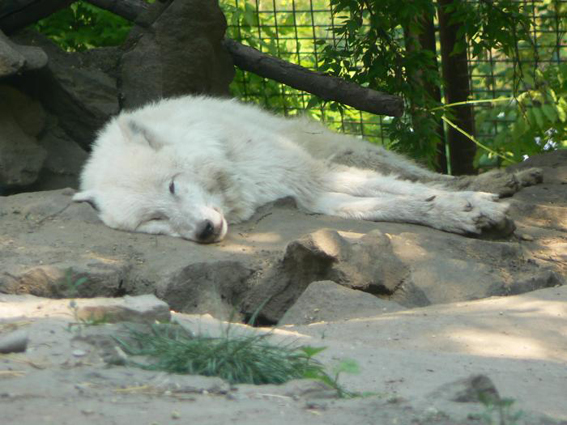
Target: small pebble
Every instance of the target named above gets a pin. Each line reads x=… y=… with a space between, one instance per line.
x=15 y=342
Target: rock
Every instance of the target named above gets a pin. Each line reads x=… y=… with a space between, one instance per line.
x=552 y=164
x=49 y=269
x=64 y=160
x=541 y=215
x=474 y=389
x=201 y=66
x=142 y=308
x=27 y=112
x=53 y=247
x=365 y=263
x=446 y=268
x=212 y=287
x=65 y=280
x=308 y=389
x=529 y=282
x=15 y=58
x=15 y=342
x=82 y=96
x=327 y=301
x=20 y=156
x=11 y=61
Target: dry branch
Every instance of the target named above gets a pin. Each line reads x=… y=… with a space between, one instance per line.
x=324 y=86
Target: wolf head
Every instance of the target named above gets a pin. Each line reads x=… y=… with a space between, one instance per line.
x=138 y=182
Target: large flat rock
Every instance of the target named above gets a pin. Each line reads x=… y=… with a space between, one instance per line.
x=48 y=243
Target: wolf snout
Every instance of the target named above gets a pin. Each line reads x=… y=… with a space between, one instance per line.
x=208 y=232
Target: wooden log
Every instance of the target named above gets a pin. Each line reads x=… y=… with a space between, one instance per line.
x=324 y=86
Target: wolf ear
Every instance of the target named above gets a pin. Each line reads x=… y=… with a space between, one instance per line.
x=88 y=196
x=133 y=131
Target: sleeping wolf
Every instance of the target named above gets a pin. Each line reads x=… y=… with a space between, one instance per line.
x=188 y=166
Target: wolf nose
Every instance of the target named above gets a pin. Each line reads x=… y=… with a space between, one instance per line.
x=205 y=231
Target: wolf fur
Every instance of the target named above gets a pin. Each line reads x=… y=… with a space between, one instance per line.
x=187 y=166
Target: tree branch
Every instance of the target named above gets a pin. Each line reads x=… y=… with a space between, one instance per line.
x=324 y=86
x=128 y=9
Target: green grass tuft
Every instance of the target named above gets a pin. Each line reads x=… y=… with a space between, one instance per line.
x=248 y=359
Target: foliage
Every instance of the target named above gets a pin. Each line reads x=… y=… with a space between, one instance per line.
x=248 y=358
x=499 y=411
x=532 y=122
x=69 y=286
x=83 y=26
x=288 y=34
x=372 y=45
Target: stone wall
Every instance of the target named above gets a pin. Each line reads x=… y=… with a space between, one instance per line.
x=52 y=102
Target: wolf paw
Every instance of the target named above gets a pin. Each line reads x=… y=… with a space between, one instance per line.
x=502 y=183
x=471 y=213
x=529 y=177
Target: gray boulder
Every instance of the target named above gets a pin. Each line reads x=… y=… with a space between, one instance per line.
x=176 y=50
x=21 y=120
x=15 y=58
x=73 y=88
x=327 y=301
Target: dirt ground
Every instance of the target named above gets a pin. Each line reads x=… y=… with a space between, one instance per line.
x=410 y=364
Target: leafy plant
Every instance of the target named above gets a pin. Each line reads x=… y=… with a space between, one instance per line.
x=499 y=411
x=532 y=122
x=249 y=358
x=507 y=43
x=82 y=26
x=69 y=285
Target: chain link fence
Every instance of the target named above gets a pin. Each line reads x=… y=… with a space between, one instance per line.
x=295 y=30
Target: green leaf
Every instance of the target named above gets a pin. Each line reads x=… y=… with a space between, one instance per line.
x=536 y=115
x=312 y=351
x=519 y=128
x=562 y=110
x=347 y=366
x=550 y=112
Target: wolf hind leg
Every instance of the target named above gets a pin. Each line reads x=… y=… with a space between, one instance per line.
x=359 y=182
x=384 y=208
x=354 y=181
x=443 y=212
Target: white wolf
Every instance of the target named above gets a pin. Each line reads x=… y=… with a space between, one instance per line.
x=188 y=166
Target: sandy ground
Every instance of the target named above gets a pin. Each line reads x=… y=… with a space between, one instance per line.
x=408 y=360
